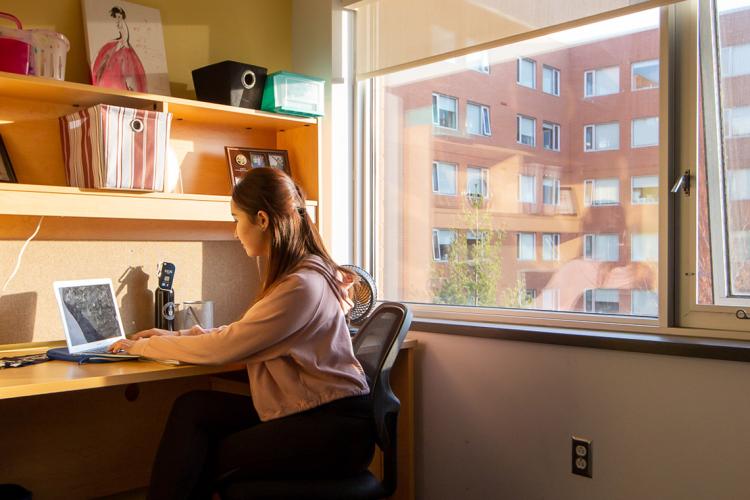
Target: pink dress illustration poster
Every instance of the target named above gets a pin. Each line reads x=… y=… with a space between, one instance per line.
x=125 y=46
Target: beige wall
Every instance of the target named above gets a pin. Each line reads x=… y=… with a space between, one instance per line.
x=196 y=33
x=495 y=419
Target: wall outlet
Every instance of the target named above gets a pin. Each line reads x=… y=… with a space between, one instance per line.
x=582 y=458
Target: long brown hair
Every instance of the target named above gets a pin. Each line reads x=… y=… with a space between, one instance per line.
x=293 y=234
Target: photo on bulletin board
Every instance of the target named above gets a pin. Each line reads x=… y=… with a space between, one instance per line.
x=241 y=160
x=6 y=169
x=125 y=46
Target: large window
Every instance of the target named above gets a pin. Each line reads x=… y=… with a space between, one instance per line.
x=735 y=60
x=479 y=61
x=601 y=137
x=645 y=132
x=550 y=80
x=444 y=177
x=645 y=75
x=445 y=111
x=603 y=81
x=478 y=119
x=526 y=130
x=602 y=301
x=555 y=223
x=644 y=190
x=600 y=192
x=526 y=72
x=737 y=121
x=644 y=247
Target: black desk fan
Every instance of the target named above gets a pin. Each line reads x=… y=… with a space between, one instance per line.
x=363 y=294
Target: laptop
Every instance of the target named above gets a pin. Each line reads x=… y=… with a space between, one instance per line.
x=90 y=317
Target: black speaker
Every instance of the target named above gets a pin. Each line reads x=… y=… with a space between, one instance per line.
x=230 y=82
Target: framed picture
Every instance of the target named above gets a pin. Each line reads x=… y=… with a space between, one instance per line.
x=125 y=46
x=241 y=160
x=6 y=169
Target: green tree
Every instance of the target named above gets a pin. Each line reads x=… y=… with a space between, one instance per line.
x=470 y=268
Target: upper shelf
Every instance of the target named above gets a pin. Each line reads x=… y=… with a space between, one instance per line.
x=83 y=95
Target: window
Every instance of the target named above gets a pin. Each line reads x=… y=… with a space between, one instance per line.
x=601 y=82
x=601 y=192
x=551 y=132
x=737 y=121
x=602 y=301
x=601 y=247
x=526 y=246
x=644 y=247
x=526 y=130
x=551 y=246
x=644 y=190
x=550 y=80
x=645 y=132
x=526 y=72
x=478 y=61
x=551 y=191
x=477 y=119
x=477 y=180
x=645 y=75
x=644 y=303
x=601 y=137
x=444 y=178
x=527 y=188
x=442 y=239
x=735 y=60
x=474 y=238
x=551 y=299
x=444 y=111
x=738 y=184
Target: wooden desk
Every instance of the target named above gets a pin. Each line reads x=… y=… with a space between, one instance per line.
x=81 y=431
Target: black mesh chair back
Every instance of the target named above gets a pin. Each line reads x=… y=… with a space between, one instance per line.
x=376 y=346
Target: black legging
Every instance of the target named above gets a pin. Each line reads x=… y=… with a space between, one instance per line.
x=214 y=436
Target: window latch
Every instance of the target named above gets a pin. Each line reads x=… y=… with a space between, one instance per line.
x=741 y=314
x=682 y=182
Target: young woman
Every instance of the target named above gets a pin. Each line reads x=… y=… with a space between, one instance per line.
x=309 y=413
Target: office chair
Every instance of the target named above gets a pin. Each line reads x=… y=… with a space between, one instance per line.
x=376 y=346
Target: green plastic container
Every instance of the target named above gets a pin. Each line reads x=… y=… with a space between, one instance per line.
x=293 y=94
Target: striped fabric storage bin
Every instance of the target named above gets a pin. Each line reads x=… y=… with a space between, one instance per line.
x=111 y=147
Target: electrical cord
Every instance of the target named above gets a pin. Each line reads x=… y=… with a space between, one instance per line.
x=20 y=256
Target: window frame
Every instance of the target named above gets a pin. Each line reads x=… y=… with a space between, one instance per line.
x=556 y=76
x=590 y=201
x=521 y=189
x=555 y=247
x=632 y=75
x=436 y=233
x=593 y=127
x=556 y=132
x=519 y=234
x=519 y=118
x=436 y=105
x=485 y=129
x=633 y=200
x=435 y=169
x=533 y=72
x=484 y=176
x=593 y=237
x=555 y=190
x=633 y=145
x=593 y=73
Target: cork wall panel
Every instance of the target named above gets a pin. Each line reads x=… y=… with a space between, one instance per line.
x=218 y=271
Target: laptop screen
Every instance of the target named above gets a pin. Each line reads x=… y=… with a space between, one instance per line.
x=89 y=311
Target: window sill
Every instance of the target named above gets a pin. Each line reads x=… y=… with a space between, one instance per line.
x=669 y=345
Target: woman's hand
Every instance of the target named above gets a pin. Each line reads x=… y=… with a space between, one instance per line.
x=153 y=332
x=121 y=346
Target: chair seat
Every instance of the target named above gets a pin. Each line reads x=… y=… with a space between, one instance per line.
x=363 y=486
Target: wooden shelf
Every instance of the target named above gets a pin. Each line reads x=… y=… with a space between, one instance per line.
x=78 y=94
x=32 y=199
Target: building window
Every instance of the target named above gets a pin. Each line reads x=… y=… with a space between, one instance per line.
x=526 y=246
x=603 y=81
x=477 y=119
x=601 y=137
x=644 y=247
x=478 y=61
x=526 y=72
x=551 y=132
x=601 y=192
x=644 y=190
x=445 y=111
x=644 y=303
x=444 y=177
x=737 y=121
x=526 y=130
x=738 y=184
x=644 y=75
x=477 y=181
x=645 y=132
x=602 y=301
x=551 y=191
x=551 y=246
x=550 y=80
x=527 y=188
x=551 y=299
x=601 y=247
x=442 y=239
x=735 y=60
x=473 y=238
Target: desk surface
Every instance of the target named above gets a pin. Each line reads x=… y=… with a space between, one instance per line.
x=60 y=376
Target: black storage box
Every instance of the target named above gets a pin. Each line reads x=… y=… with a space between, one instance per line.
x=230 y=82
